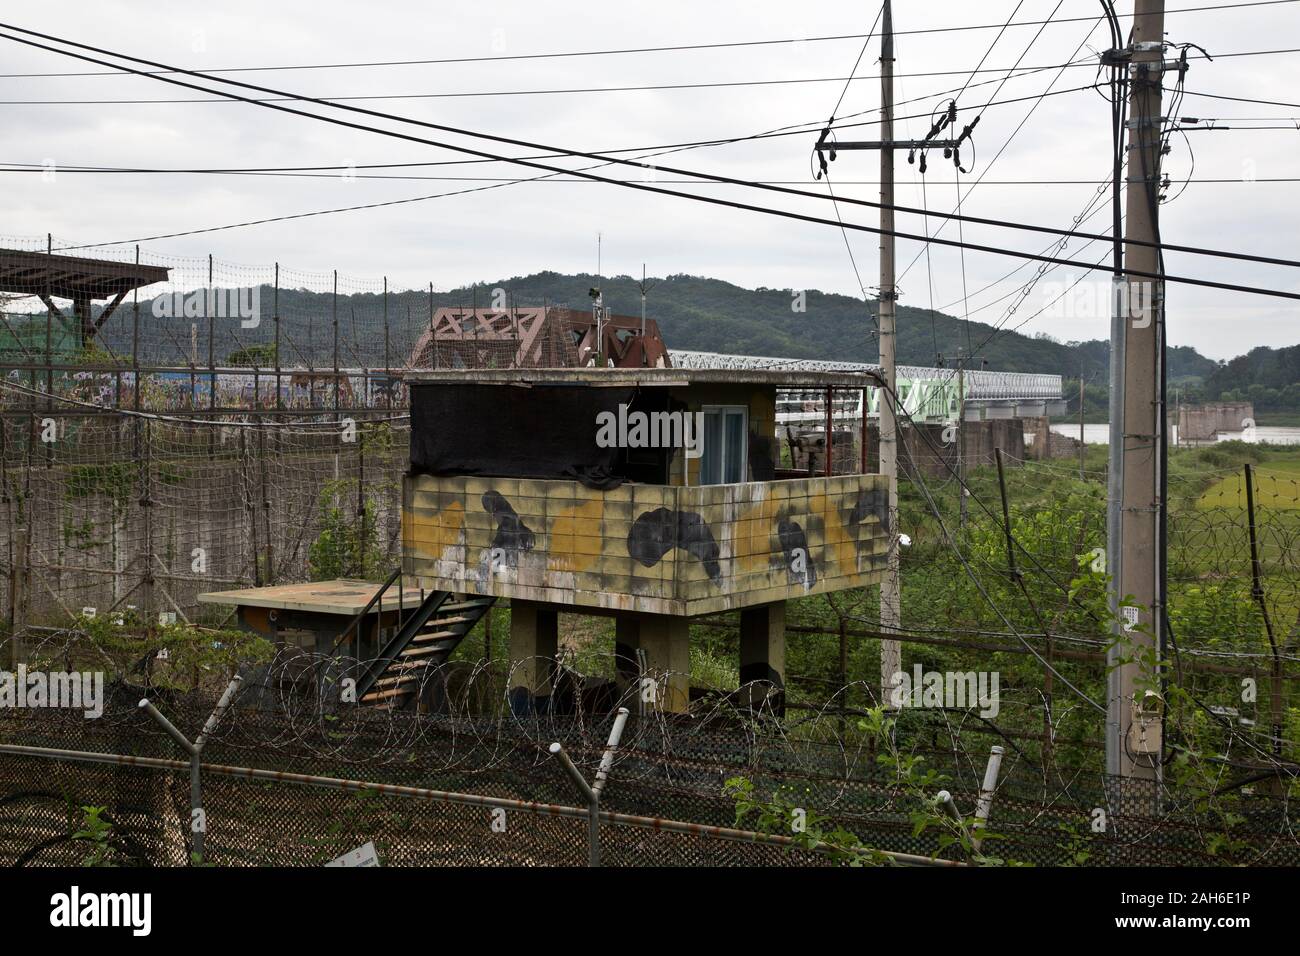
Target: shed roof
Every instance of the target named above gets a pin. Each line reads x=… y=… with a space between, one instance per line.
x=664 y=377
x=72 y=277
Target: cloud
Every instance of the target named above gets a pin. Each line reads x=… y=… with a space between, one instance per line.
x=519 y=229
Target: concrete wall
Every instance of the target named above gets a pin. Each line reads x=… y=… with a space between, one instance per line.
x=649 y=548
x=1203 y=422
x=1042 y=444
x=933 y=448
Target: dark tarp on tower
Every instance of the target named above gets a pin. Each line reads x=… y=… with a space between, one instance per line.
x=537 y=431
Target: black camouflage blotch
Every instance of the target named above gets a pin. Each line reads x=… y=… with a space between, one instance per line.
x=792 y=536
x=873 y=502
x=654 y=533
x=512 y=534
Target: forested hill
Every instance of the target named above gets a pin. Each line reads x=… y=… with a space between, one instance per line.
x=695 y=312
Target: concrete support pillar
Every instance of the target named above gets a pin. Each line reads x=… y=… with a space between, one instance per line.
x=534 y=643
x=762 y=655
x=666 y=643
x=627 y=640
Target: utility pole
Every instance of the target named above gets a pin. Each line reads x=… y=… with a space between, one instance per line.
x=890 y=613
x=645 y=289
x=1134 y=718
x=891 y=652
x=598 y=306
x=961 y=438
x=1083 y=453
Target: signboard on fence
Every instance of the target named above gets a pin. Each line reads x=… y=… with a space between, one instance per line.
x=364 y=855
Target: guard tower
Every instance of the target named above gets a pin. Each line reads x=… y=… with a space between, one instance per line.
x=71 y=277
x=652 y=495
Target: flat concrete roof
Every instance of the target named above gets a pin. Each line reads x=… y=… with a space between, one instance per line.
x=664 y=377
x=342 y=596
x=72 y=277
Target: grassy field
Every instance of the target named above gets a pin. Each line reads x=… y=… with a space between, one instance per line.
x=1277 y=486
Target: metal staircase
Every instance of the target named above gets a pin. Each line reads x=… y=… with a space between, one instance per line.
x=425 y=640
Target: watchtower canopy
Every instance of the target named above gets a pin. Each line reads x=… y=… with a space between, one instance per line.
x=49 y=277
x=537 y=337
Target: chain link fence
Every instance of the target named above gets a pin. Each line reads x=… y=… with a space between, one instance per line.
x=287 y=780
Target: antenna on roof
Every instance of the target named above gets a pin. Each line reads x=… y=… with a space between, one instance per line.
x=597 y=304
x=644 y=288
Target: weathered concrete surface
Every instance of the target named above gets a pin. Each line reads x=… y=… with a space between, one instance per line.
x=1204 y=422
x=655 y=549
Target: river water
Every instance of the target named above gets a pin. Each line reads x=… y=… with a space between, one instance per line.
x=1273 y=434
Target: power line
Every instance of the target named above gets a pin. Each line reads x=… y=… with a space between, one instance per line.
x=1019 y=4
x=637 y=50
x=797 y=129
x=331 y=172
x=1006 y=73
x=561 y=152
x=1241 y=99
x=659 y=87
x=441 y=127
x=1090 y=209
x=956 y=175
x=856 y=63
x=830 y=189
x=645 y=187
x=1002 y=149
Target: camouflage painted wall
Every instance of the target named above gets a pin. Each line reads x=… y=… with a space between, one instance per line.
x=650 y=548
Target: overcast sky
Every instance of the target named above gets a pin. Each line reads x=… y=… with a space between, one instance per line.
x=528 y=227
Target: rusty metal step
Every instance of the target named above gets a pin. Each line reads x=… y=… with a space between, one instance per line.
x=442 y=647
x=384 y=695
x=439 y=621
x=466 y=606
x=426 y=636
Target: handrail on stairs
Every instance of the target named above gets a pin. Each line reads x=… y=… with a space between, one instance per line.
x=356 y=621
x=430 y=606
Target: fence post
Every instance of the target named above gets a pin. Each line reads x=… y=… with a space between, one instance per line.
x=198 y=823
x=1257 y=592
x=949 y=805
x=984 y=804
x=591 y=792
x=388 y=371
x=19 y=579
x=1049 y=667
x=146 y=505
x=334 y=311
x=275 y=318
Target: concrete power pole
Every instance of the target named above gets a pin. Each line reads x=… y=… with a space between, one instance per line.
x=891 y=655
x=1134 y=720
x=890 y=615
